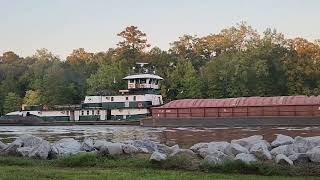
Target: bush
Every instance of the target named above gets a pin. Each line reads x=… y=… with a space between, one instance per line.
x=105 y=161
x=181 y=160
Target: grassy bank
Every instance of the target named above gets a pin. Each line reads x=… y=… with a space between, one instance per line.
x=92 y=166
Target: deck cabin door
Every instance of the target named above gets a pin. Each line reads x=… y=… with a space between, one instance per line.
x=126 y=102
x=71 y=117
x=103 y=114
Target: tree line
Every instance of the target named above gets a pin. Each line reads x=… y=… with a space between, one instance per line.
x=238 y=61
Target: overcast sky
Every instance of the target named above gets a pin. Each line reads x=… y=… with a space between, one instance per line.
x=63 y=25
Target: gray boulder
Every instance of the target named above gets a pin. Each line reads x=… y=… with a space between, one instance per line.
x=115 y=148
x=314 y=154
x=28 y=140
x=196 y=147
x=98 y=144
x=168 y=150
x=218 y=157
x=287 y=150
x=299 y=158
x=87 y=145
x=246 y=157
x=313 y=141
x=248 y=141
x=40 y=151
x=63 y=147
x=130 y=149
x=2 y=145
x=218 y=146
x=233 y=149
x=24 y=151
x=301 y=145
x=283 y=160
x=157 y=157
x=260 y=150
x=11 y=149
x=282 y=140
x=151 y=146
x=23 y=141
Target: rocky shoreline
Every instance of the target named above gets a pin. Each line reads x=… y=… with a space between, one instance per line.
x=284 y=150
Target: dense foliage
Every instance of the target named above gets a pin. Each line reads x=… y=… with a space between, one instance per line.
x=238 y=61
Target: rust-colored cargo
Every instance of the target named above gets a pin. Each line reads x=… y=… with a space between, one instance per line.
x=280 y=106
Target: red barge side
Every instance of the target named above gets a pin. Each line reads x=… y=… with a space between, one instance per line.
x=243 y=111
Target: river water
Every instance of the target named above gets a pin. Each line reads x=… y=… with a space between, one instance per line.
x=185 y=137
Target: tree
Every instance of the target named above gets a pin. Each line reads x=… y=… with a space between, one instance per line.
x=183 y=82
x=131 y=49
x=134 y=39
x=32 y=98
x=302 y=67
x=82 y=62
x=8 y=57
x=45 y=55
x=107 y=80
x=12 y=102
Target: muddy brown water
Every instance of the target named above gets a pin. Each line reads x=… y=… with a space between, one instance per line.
x=185 y=137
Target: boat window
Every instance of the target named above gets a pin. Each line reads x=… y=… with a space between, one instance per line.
x=87 y=112
x=92 y=112
x=131 y=80
x=156 y=82
x=134 y=98
x=67 y=112
x=150 y=80
x=111 y=98
x=98 y=112
x=142 y=81
x=108 y=98
x=82 y=113
x=127 y=98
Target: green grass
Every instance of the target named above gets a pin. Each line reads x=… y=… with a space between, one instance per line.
x=92 y=166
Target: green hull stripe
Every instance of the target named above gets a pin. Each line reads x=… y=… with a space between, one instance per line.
x=89 y=118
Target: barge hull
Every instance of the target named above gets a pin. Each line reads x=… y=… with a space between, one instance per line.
x=230 y=122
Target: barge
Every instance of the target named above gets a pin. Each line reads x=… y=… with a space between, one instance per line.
x=242 y=111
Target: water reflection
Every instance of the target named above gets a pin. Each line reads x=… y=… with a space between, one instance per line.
x=183 y=136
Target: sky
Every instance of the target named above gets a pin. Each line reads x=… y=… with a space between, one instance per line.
x=63 y=25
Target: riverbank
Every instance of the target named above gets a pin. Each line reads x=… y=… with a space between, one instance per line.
x=94 y=166
x=285 y=156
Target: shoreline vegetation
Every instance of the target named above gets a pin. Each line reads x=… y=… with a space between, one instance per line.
x=98 y=166
x=31 y=157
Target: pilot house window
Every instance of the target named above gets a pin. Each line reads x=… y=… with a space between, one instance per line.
x=142 y=81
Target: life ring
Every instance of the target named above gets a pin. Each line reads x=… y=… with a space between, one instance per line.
x=140 y=105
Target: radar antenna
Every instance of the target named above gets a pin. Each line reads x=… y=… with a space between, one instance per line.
x=142 y=64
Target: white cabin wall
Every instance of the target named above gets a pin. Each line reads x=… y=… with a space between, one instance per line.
x=117 y=112
x=154 y=99
x=92 y=99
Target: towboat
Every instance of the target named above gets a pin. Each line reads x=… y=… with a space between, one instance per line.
x=131 y=104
